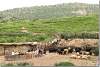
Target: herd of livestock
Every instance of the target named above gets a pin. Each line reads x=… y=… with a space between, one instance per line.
x=53 y=48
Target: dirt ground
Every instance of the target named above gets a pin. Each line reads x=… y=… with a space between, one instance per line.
x=52 y=58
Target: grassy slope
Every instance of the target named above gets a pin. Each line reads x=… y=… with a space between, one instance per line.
x=72 y=24
x=66 y=24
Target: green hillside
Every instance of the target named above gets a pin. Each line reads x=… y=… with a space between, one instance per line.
x=50 y=11
x=47 y=26
x=65 y=24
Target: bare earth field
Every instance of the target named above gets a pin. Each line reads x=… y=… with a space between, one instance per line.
x=52 y=58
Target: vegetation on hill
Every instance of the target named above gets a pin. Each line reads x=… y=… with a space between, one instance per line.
x=50 y=11
x=65 y=24
x=47 y=26
x=82 y=35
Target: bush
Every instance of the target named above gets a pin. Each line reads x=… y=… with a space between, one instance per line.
x=16 y=65
x=64 y=64
x=7 y=65
x=82 y=35
x=23 y=64
x=97 y=51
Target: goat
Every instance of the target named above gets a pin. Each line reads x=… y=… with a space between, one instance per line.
x=73 y=56
x=70 y=49
x=84 y=57
x=65 y=51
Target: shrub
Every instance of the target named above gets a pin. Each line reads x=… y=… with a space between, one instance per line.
x=23 y=64
x=7 y=65
x=97 y=51
x=16 y=65
x=64 y=64
x=82 y=35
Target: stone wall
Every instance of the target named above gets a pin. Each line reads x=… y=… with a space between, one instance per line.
x=8 y=49
x=1 y=50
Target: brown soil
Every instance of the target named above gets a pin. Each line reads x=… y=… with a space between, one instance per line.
x=52 y=58
x=79 y=42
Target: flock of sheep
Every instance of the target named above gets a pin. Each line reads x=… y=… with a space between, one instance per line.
x=82 y=52
x=76 y=52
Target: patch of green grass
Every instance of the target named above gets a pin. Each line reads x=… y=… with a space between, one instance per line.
x=64 y=64
x=47 y=26
x=23 y=38
x=7 y=65
x=66 y=24
x=24 y=64
x=16 y=65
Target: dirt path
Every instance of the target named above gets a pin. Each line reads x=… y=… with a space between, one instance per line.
x=52 y=58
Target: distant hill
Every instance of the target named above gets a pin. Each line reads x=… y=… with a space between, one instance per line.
x=50 y=11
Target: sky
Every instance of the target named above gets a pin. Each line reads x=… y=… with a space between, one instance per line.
x=10 y=4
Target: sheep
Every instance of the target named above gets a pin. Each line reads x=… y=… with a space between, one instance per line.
x=73 y=56
x=78 y=57
x=87 y=53
x=36 y=53
x=87 y=48
x=55 y=42
x=92 y=54
x=44 y=51
x=52 y=50
x=33 y=52
x=65 y=51
x=82 y=52
x=85 y=57
x=77 y=49
x=16 y=53
x=77 y=53
x=41 y=52
x=13 y=53
x=59 y=51
x=73 y=51
x=70 y=49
